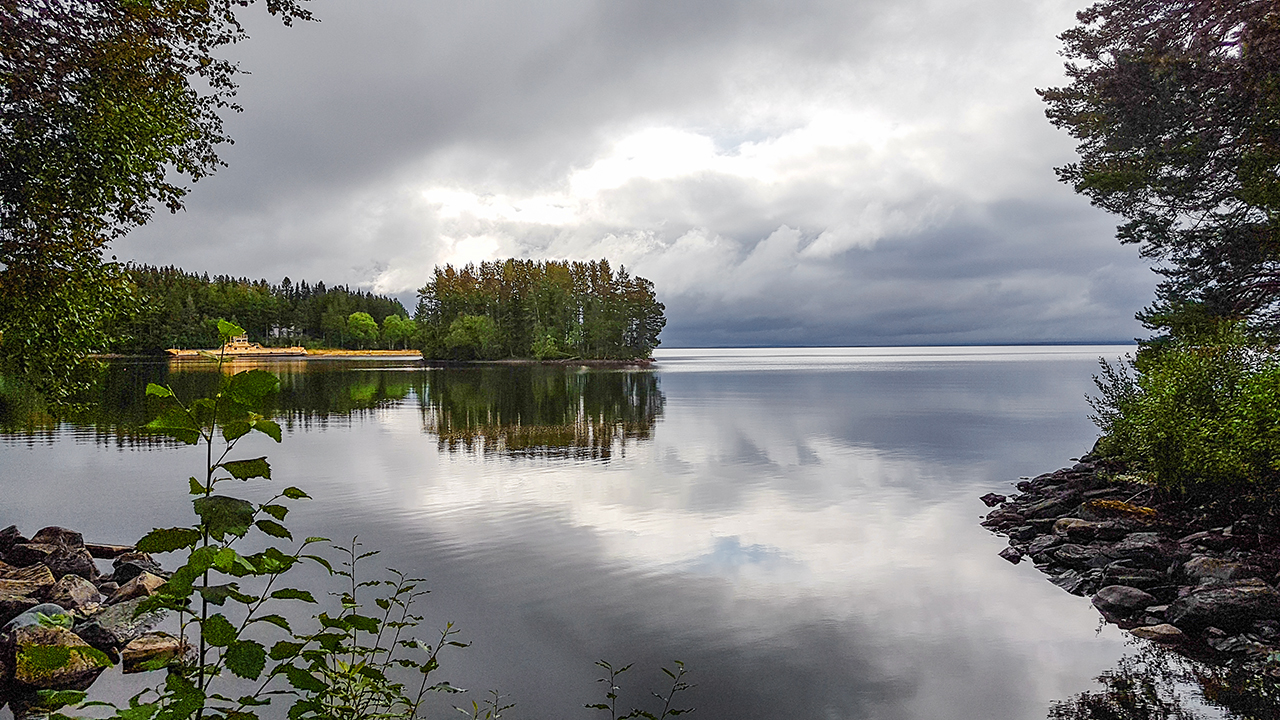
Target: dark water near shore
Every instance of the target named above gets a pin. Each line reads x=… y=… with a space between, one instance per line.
x=798 y=526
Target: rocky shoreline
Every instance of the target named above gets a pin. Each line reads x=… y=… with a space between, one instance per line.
x=63 y=621
x=1197 y=578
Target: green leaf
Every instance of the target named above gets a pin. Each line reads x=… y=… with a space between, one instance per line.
x=362 y=622
x=177 y=424
x=250 y=387
x=235 y=429
x=54 y=699
x=157 y=391
x=196 y=487
x=222 y=515
x=247 y=469
x=294 y=493
x=277 y=620
x=219 y=594
x=167 y=540
x=276 y=511
x=218 y=631
x=228 y=330
x=303 y=680
x=269 y=428
x=293 y=594
x=285 y=649
x=274 y=529
x=246 y=658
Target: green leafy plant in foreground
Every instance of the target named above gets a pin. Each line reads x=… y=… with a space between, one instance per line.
x=350 y=665
x=340 y=670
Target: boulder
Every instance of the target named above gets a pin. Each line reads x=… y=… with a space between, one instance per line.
x=132 y=564
x=992 y=499
x=1202 y=568
x=1230 y=607
x=53 y=657
x=150 y=652
x=1041 y=545
x=61 y=559
x=1162 y=633
x=32 y=615
x=1011 y=554
x=143 y=585
x=55 y=535
x=1145 y=549
x=35 y=580
x=1075 y=529
x=13 y=605
x=73 y=592
x=1079 y=557
x=1122 y=600
x=8 y=537
x=1053 y=505
x=1071 y=581
x=1143 y=578
x=115 y=625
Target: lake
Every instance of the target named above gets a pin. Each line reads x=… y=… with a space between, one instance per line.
x=798 y=526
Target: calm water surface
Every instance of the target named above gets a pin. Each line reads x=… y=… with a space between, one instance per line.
x=798 y=526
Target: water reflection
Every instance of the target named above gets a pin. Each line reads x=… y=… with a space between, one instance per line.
x=541 y=411
x=1157 y=683
x=553 y=411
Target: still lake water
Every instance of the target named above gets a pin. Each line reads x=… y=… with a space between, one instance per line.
x=799 y=526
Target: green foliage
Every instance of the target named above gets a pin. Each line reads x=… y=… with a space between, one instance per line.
x=678 y=685
x=472 y=337
x=398 y=330
x=1194 y=414
x=105 y=107
x=1173 y=105
x=177 y=310
x=539 y=309
x=363 y=329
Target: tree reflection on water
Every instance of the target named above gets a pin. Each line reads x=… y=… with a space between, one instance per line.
x=539 y=410
x=530 y=410
x=1157 y=683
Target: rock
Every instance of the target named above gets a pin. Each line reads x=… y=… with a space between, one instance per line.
x=55 y=535
x=1079 y=557
x=115 y=626
x=13 y=605
x=1075 y=529
x=132 y=564
x=143 y=585
x=1122 y=600
x=150 y=652
x=1229 y=607
x=1012 y=555
x=1145 y=549
x=1209 y=540
x=1001 y=519
x=73 y=592
x=1162 y=633
x=992 y=499
x=1022 y=533
x=1238 y=645
x=61 y=559
x=8 y=537
x=31 y=616
x=35 y=580
x=1042 y=544
x=1054 y=505
x=1071 y=581
x=1117 y=574
x=53 y=657
x=1201 y=568
x=107 y=588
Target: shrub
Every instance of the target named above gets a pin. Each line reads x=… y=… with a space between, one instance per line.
x=1189 y=414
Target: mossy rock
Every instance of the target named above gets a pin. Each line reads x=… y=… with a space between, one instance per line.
x=54 y=657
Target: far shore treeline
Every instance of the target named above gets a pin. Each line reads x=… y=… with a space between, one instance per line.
x=494 y=310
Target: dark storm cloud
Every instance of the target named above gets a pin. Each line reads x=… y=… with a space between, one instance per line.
x=814 y=172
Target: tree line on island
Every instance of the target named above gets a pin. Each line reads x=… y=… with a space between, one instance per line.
x=502 y=309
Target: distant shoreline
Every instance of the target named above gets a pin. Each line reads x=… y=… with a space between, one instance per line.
x=338 y=354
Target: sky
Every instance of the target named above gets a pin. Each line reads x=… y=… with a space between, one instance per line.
x=798 y=172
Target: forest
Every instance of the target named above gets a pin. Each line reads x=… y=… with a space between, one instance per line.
x=176 y=308
x=538 y=309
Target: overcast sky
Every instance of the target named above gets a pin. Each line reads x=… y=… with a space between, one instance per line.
x=798 y=172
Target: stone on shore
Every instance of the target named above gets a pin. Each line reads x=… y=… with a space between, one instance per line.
x=1122 y=600
x=53 y=657
x=73 y=592
x=115 y=626
x=1230 y=607
x=1162 y=633
x=149 y=652
x=143 y=585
